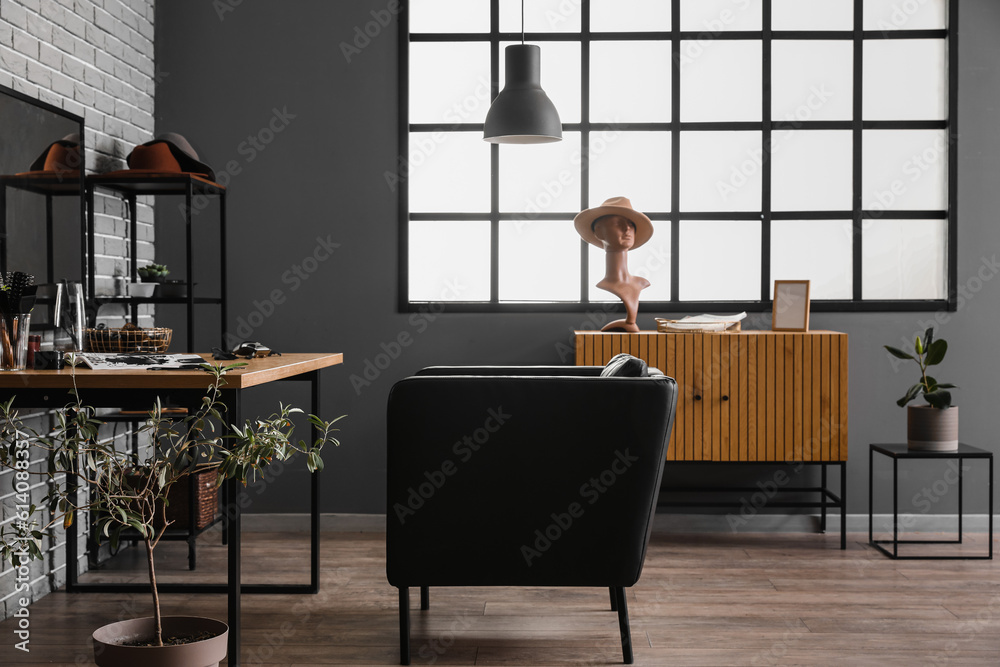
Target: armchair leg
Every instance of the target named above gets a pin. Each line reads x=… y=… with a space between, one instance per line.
x=623 y=626
x=404 y=625
x=614 y=602
x=425 y=598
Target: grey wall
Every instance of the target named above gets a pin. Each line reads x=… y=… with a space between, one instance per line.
x=321 y=177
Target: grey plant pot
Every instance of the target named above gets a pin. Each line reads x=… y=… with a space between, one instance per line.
x=108 y=651
x=931 y=429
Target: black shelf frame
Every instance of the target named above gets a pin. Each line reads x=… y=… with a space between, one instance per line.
x=189 y=534
x=827 y=498
x=136 y=300
x=130 y=188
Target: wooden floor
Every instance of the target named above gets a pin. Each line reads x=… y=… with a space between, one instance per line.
x=705 y=599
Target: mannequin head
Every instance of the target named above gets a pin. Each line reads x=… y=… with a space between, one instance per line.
x=616 y=232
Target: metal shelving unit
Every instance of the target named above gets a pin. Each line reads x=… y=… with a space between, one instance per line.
x=130 y=187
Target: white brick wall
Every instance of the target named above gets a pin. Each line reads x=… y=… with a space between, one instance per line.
x=93 y=58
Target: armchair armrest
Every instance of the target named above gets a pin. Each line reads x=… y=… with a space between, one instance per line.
x=564 y=371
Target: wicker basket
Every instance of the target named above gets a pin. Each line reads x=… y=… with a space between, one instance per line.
x=206 y=498
x=128 y=339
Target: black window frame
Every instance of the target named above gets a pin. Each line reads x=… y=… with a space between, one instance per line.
x=766 y=126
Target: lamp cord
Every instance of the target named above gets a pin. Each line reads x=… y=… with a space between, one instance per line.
x=522 y=22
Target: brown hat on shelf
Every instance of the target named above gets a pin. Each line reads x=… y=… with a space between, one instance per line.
x=60 y=158
x=169 y=153
x=584 y=221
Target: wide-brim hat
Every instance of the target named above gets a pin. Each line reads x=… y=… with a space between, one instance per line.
x=169 y=153
x=60 y=158
x=584 y=221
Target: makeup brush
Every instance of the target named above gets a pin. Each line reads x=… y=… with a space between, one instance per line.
x=17 y=282
x=28 y=299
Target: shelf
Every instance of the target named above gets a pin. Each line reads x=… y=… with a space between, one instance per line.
x=137 y=300
x=129 y=184
x=171 y=534
x=125 y=418
x=155 y=184
x=57 y=186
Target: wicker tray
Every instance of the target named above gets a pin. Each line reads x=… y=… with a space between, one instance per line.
x=128 y=339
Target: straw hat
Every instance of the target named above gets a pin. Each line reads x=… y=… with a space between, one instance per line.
x=584 y=221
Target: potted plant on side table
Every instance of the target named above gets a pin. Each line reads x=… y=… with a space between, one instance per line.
x=130 y=495
x=931 y=427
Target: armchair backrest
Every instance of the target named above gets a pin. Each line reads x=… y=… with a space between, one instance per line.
x=524 y=479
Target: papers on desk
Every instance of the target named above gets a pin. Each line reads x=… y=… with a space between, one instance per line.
x=701 y=323
x=106 y=361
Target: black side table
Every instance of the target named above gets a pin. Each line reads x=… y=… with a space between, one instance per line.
x=900 y=451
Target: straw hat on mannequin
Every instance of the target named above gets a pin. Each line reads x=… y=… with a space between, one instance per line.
x=617 y=228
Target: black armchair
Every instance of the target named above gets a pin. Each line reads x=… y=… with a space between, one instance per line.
x=523 y=476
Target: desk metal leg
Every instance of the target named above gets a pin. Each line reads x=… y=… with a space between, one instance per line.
x=233 y=519
x=314 y=517
x=225 y=504
x=72 y=543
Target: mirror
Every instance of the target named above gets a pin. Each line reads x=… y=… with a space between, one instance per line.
x=41 y=194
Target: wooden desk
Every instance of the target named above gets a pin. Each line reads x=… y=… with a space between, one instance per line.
x=137 y=389
x=257 y=372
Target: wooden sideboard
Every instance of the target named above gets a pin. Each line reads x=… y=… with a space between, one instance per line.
x=750 y=396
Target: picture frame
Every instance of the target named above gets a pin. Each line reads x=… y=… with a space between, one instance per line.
x=790 y=309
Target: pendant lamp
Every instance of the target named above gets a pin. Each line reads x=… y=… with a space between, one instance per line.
x=522 y=113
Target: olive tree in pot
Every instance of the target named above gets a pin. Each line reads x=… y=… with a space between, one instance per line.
x=931 y=427
x=126 y=495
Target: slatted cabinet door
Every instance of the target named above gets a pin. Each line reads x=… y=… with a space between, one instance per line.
x=751 y=396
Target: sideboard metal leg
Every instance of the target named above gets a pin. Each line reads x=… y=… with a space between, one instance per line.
x=822 y=496
x=843 y=505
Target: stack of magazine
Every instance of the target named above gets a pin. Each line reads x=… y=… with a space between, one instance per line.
x=701 y=324
x=106 y=361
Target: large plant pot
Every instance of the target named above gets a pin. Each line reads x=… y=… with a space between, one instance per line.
x=931 y=429
x=108 y=651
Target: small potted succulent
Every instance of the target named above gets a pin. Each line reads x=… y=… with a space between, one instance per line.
x=129 y=498
x=931 y=427
x=153 y=273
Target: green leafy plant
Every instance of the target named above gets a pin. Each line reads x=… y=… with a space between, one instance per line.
x=125 y=494
x=153 y=271
x=929 y=352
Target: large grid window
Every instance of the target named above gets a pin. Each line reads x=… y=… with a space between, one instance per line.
x=766 y=139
